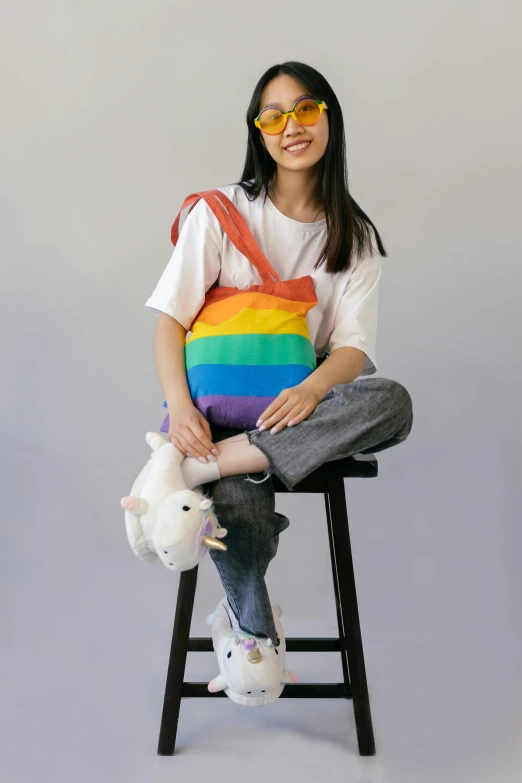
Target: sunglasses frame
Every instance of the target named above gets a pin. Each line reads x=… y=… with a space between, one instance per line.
x=322 y=105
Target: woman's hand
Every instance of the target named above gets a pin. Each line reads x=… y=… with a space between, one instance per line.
x=189 y=431
x=290 y=407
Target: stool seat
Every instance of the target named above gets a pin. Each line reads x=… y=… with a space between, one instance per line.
x=329 y=480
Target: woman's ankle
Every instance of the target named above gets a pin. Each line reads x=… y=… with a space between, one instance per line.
x=238 y=456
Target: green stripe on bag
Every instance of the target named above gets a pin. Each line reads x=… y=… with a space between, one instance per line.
x=251 y=349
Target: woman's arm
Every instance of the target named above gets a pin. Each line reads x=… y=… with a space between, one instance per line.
x=341 y=366
x=189 y=431
x=169 y=356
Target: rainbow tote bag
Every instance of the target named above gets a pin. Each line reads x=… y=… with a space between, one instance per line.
x=246 y=346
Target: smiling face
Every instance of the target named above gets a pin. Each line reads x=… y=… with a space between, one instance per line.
x=283 y=92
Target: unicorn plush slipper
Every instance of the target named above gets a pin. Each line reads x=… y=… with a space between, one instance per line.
x=163 y=518
x=252 y=670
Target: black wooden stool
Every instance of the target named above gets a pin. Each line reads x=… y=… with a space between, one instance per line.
x=328 y=479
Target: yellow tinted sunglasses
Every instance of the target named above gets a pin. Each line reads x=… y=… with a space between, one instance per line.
x=306 y=111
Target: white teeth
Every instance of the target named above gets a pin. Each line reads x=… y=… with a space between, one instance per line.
x=298 y=146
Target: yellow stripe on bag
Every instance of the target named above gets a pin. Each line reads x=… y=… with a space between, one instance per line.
x=250 y=321
x=222 y=310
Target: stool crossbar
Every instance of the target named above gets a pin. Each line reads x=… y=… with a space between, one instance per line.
x=328 y=479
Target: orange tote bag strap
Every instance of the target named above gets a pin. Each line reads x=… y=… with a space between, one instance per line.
x=174 y=231
x=236 y=228
x=239 y=233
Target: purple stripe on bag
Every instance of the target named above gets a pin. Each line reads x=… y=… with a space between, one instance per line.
x=229 y=411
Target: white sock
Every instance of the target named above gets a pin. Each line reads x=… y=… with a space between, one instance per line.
x=196 y=473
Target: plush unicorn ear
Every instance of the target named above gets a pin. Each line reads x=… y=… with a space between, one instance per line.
x=219 y=683
x=155 y=440
x=136 y=506
x=205 y=503
x=287 y=676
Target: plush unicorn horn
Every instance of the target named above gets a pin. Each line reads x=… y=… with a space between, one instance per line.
x=252 y=671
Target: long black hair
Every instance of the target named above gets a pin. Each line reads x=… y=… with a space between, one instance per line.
x=348 y=227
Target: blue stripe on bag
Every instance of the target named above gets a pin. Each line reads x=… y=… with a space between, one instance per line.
x=249 y=381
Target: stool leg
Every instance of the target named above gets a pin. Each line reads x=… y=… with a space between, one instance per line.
x=350 y=616
x=344 y=656
x=178 y=658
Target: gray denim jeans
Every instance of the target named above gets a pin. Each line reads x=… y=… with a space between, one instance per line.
x=364 y=416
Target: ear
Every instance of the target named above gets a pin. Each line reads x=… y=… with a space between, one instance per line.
x=219 y=683
x=136 y=506
x=287 y=676
x=155 y=440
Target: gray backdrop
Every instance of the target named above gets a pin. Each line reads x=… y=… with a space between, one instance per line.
x=95 y=163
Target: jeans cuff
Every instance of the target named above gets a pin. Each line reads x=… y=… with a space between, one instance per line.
x=273 y=468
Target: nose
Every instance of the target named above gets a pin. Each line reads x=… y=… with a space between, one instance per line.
x=292 y=125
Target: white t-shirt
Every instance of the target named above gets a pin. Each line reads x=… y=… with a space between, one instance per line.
x=346 y=312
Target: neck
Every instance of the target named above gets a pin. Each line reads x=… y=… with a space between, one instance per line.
x=295 y=190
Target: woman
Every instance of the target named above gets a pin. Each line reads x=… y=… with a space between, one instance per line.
x=294 y=195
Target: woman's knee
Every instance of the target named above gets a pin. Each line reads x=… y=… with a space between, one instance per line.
x=401 y=396
x=402 y=403
x=395 y=392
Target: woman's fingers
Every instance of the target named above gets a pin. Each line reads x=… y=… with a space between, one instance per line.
x=175 y=440
x=202 y=442
x=277 y=415
x=192 y=439
x=190 y=444
x=207 y=434
x=294 y=416
x=197 y=449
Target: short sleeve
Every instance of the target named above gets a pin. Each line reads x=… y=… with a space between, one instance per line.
x=355 y=322
x=192 y=269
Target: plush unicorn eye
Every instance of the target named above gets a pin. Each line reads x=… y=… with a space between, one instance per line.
x=277 y=652
x=229 y=653
x=186 y=508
